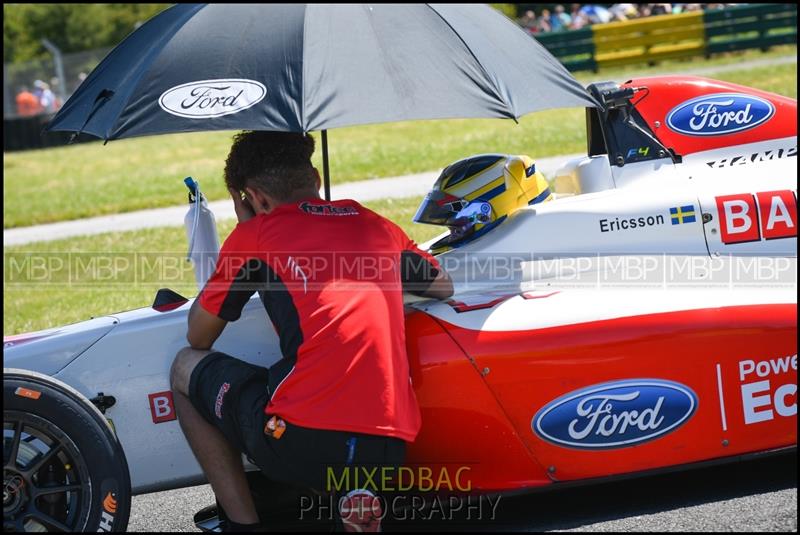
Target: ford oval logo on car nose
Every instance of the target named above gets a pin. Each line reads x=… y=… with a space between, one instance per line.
x=719 y=114
x=615 y=415
x=207 y=99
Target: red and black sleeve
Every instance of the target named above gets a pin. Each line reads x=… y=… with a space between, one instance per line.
x=240 y=271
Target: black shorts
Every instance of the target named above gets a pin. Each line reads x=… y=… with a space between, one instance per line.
x=231 y=395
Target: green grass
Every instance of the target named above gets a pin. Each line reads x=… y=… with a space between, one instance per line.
x=90 y=179
x=780 y=79
x=37 y=299
x=692 y=63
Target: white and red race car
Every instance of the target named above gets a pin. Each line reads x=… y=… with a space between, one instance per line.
x=645 y=319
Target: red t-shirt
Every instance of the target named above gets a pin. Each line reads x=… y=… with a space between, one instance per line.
x=331 y=276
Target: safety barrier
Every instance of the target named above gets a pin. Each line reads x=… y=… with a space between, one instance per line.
x=22 y=133
x=653 y=39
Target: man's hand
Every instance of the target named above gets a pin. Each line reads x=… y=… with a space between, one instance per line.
x=441 y=287
x=244 y=210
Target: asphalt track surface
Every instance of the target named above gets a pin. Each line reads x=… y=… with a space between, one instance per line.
x=755 y=495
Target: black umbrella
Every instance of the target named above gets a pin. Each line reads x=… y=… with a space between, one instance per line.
x=312 y=67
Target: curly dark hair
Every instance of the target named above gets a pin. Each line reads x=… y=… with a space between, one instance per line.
x=278 y=163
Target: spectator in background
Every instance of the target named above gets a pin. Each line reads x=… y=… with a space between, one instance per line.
x=574 y=10
x=528 y=22
x=47 y=99
x=622 y=12
x=661 y=9
x=27 y=103
x=560 y=20
x=579 y=21
x=543 y=24
x=596 y=14
x=582 y=15
x=37 y=90
x=81 y=77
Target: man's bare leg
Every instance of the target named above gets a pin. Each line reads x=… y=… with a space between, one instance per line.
x=221 y=462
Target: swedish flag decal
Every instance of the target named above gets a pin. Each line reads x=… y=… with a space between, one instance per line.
x=682 y=214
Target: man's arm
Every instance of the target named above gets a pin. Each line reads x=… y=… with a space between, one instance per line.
x=422 y=275
x=204 y=327
x=226 y=292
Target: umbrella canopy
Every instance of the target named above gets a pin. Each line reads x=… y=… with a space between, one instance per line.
x=313 y=67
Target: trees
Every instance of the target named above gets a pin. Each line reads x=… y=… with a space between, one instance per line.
x=509 y=10
x=71 y=27
x=79 y=27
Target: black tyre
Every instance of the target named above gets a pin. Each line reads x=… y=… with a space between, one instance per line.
x=63 y=467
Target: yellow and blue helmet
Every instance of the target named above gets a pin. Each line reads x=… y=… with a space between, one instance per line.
x=474 y=195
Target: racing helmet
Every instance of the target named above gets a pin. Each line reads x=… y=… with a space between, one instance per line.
x=474 y=195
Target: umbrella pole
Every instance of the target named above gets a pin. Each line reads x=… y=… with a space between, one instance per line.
x=326 y=173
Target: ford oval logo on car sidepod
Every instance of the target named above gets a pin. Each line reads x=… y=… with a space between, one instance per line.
x=719 y=114
x=615 y=415
x=207 y=99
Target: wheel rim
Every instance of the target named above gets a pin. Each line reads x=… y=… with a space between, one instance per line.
x=46 y=484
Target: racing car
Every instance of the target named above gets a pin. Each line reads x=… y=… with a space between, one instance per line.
x=557 y=371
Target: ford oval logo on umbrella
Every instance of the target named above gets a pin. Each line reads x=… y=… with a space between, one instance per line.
x=719 y=114
x=615 y=415
x=207 y=99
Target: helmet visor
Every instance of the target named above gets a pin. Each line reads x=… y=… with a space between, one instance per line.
x=439 y=208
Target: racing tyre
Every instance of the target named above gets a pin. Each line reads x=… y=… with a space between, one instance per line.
x=63 y=467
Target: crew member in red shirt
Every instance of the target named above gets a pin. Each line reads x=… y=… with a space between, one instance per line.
x=27 y=103
x=331 y=277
